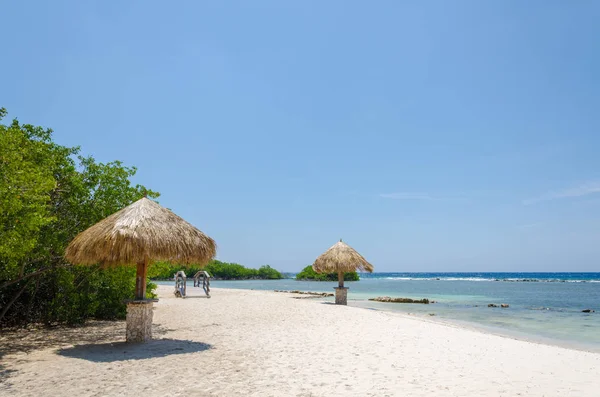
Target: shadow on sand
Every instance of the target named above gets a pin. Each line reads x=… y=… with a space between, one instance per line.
x=5 y=373
x=121 y=351
x=93 y=332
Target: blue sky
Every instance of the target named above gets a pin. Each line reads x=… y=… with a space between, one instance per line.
x=431 y=136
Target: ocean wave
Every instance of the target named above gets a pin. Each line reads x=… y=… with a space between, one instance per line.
x=513 y=280
x=400 y=278
x=435 y=278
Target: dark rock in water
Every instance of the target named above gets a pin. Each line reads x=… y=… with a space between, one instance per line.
x=399 y=300
x=432 y=314
x=504 y=305
x=492 y=305
x=522 y=280
x=587 y=311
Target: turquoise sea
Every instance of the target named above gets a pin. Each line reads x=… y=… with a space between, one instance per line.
x=544 y=307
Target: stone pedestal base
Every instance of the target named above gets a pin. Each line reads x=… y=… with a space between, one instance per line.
x=341 y=295
x=139 y=321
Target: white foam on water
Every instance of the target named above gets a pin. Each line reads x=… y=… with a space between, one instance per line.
x=517 y=280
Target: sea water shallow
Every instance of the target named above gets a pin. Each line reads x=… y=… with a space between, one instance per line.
x=546 y=308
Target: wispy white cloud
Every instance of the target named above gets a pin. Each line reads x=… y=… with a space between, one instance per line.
x=577 y=191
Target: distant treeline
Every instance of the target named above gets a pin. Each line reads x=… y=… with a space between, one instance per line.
x=216 y=269
x=309 y=274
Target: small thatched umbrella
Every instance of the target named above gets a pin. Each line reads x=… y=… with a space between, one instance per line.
x=341 y=258
x=139 y=234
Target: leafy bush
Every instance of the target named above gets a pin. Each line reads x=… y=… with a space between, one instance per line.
x=49 y=193
x=309 y=274
x=88 y=291
x=267 y=272
x=217 y=269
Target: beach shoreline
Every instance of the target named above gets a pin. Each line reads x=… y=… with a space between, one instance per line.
x=263 y=343
x=496 y=331
x=549 y=313
x=467 y=325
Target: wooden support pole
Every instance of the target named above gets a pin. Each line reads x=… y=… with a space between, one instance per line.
x=341 y=279
x=140 y=280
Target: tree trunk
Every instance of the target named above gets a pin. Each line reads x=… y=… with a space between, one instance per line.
x=32 y=298
x=13 y=300
x=33 y=274
x=341 y=279
x=140 y=280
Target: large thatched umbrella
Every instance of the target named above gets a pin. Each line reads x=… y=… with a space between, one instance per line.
x=341 y=258
x=139 y=234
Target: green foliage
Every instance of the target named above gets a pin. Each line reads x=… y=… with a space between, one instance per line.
x=26 y=181
x=267 y=272
x=309 y=274
x=217 y=269
x=230 y=271
x=48 y=194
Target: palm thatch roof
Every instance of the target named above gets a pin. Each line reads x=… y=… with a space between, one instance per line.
x=341 y=258
x=141 y=232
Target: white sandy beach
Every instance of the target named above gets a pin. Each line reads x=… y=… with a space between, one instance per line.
x=259 y=343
